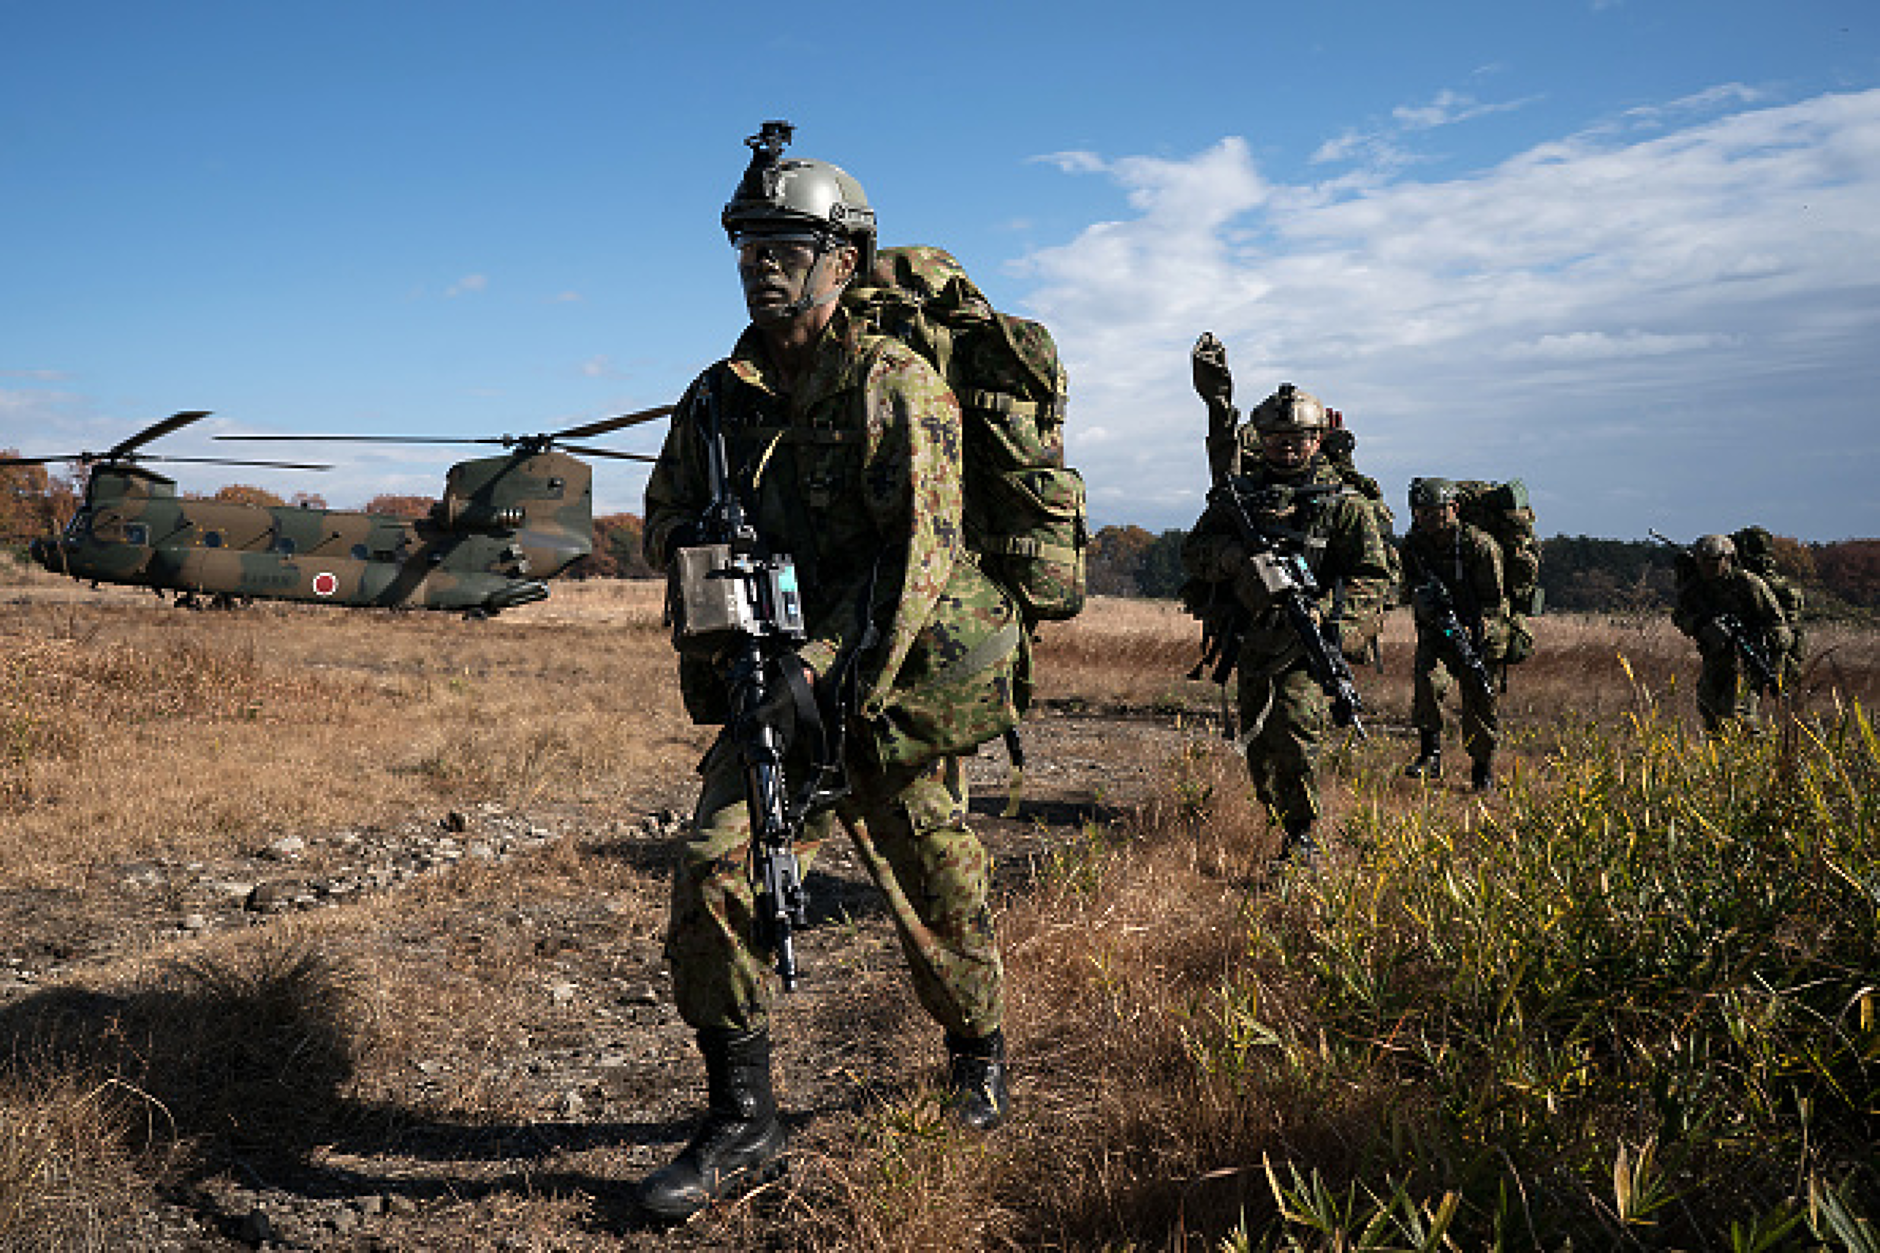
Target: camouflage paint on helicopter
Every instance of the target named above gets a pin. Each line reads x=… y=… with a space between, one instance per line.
x=504 y=525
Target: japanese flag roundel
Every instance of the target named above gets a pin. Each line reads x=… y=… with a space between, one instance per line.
x=325 y=583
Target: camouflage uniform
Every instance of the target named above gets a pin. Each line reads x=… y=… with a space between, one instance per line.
x=1282 y=711
x=1722 y=695
x=1467 y=562
x=857 y=475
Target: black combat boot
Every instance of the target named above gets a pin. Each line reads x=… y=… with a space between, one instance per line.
x=741 y=1141
x=1299 y=848
x=1429 y=762
x=1482 y=774
x=976 y=1082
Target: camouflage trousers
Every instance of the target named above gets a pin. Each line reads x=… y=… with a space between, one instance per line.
x=1722 y=694
x=1481 y=723
x=911 y=835
x=1282 y=719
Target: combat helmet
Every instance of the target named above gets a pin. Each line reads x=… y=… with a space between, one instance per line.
x=1431 y=493
x=1289 y=410
x=781 y=195
x=1713 y=547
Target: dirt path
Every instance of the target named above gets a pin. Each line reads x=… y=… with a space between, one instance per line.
x=527 y=1064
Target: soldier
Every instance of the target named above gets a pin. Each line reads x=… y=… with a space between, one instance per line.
x=846 y=450
x=1756 y=549
x=1453 y=574
x=1299 y=500
x=1728 y=611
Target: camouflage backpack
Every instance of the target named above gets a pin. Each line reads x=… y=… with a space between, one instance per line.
x=1503 y=511
x=1024 y=508
x=1337 y=448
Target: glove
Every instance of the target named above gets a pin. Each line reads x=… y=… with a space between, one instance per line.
x=1213 y=383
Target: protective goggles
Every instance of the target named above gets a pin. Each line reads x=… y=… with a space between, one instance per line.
x=787 y=250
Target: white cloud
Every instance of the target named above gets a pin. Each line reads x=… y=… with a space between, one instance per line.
x=1557 y=317
x=1447 y=109
x=468 y=284
x=1587 y=346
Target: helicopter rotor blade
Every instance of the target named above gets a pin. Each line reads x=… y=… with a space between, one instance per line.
x=33 y=461
x=610 y=424
x=226 y=461
x=607 y=452
x=358 y=439
x=528 y=444
x=174 y=422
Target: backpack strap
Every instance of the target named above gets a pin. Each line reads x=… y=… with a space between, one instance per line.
x=1024 y=546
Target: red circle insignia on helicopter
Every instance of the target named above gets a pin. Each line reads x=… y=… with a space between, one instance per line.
x=325 y=583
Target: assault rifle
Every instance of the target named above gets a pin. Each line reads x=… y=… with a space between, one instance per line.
x=739 y=603
x=1761 y=674
x=1279 y=561
x=1436 y=603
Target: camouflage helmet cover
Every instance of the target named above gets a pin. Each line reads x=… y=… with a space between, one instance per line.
x=781 y=195
x=1713 y=547
x=1431 y=493
x=1290 y=410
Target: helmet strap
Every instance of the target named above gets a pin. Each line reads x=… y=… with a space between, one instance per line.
x=808 y=300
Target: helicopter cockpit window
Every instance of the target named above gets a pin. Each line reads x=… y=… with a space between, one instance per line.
x=212 y=539
x=361 y=553
x=283 y=544
x=556 y=486
x=136 y=533
x=79 y=527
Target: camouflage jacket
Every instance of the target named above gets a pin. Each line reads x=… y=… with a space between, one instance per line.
x=858 y=476
x=1343 y=546
x=1735 y=592
x=1467 y=562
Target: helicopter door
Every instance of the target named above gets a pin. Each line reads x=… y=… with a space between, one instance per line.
x=298 y=531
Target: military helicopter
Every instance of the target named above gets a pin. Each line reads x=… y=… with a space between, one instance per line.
x=504 y=526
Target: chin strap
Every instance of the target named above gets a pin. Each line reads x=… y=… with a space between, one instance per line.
x=805 y=302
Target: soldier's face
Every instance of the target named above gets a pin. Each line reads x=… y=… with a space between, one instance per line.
x=1712 y=567
x=1436 y=518
x=778 y=270
x=1289 y=450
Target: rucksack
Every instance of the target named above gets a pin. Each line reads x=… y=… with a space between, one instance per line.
x=1503 y=511
x=1337 y=448
x=1024 y=511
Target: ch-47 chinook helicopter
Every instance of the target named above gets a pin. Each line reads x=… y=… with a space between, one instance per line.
x=505 y=524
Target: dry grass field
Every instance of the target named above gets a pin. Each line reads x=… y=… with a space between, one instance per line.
x=339 y=930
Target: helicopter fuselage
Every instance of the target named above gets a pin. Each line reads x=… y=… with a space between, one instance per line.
x=504 y=525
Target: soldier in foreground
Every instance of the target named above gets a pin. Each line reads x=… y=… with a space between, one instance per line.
x=844 y=451
x=1290 y=504
x=1453 y=574
x=1738 y=627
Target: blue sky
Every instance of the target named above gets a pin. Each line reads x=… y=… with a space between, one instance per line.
x=1625 y=250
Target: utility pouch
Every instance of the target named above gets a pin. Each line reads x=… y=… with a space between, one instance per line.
x=967 y=680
